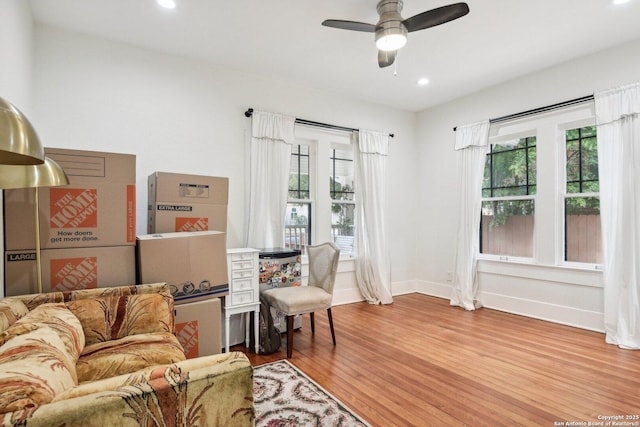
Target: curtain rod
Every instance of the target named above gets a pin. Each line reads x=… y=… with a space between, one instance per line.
x=540 y=110
x=249 y=113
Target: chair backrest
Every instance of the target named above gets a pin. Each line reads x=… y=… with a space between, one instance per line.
x=323 y=265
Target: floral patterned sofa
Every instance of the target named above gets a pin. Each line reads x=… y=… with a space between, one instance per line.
x=108 y=356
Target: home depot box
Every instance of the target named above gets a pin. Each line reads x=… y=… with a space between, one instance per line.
x=187 y=189
x=171 y=217
x=194 y=264
x=69 y=269
x=97 y=208
x=198 y=327
x=183 y=202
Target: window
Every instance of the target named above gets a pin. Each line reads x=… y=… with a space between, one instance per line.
x=341 y=190
x=581 y=200
x=297 y=223
x=540 y=191
x=321 y=202
x=508 y=203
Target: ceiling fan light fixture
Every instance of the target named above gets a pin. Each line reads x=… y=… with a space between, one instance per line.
x=390 y=42
x=391 y=30
x=391 y=34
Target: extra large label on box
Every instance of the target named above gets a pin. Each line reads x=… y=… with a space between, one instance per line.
x=97 y=208
x=69 y=269
x=165 y=187
x=176 y=217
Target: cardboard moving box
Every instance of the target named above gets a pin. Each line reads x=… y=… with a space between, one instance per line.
x=167 y=218
x=188 y=189
x=182 y=202
x=198 y=327
x=194 y=264
x=69 y=269
x=97 y=208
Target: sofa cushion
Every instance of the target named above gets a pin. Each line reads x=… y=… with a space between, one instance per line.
x=34 y=368
x=126 y=355
x=57 y=317
x=152 y=373
x=114 y=317
x=10 y=311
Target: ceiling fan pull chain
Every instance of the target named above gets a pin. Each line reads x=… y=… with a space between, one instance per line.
x=395 y=65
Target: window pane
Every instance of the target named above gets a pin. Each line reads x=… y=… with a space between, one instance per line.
x=297 y=226
x=342 y=226
x=507 y=228
x=582 y=160
x=582 y=230
x=341 y=175
x=532 y=168
x=573 y=160
x=299 y=173
x=589 y=159
x=510 y=169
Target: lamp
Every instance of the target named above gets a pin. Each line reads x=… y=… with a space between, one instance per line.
x=47 y=174
x=19 y=142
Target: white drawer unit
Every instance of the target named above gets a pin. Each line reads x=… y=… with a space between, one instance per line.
x=244 y=295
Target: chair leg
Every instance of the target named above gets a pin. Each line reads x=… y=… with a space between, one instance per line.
x=313 y=323
x=333 y=334
x=289 y=336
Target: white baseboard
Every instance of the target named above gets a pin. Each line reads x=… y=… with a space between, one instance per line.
x=565 y=315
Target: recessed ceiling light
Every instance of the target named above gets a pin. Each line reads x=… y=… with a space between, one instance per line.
x=423 y=81
x=167 y=4
x=618 y=2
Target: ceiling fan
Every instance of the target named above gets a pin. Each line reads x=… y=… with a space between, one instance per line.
x=391 y=30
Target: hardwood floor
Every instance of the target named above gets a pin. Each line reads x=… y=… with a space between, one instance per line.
x=421 y=362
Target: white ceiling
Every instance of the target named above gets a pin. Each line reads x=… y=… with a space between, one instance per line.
x=283 y=39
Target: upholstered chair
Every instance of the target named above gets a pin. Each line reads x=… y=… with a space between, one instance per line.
x=317 y=295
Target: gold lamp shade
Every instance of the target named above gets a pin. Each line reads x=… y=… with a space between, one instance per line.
x=19 y=142
x=48 y=174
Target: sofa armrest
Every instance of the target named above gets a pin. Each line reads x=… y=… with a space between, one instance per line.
x=212 y=390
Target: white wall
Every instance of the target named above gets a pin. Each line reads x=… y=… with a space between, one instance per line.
x=181 y=115
x=548 y=293
x=16 y=52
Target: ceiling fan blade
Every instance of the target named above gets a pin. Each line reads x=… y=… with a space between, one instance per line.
x=350 y=25
x=386 y=58
x=437 y=16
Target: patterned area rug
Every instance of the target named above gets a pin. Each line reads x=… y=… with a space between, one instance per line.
x=285 y=397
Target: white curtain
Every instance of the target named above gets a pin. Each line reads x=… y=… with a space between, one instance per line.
x=272 y=136
x=619 y=174
x=373 y=271
x=471 y=146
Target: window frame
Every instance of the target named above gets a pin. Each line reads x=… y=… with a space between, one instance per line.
x=548 y=255
x=532 y=197
x=563 y=195
x=352 y=202
x=310 y=200
x=320 y=140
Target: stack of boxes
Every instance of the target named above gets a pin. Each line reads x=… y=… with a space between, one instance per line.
x=87 y=228
x=88 y=238
x=186 y=247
